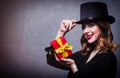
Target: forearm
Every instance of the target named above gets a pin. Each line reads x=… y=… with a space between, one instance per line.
x=74 y=68
x=60 y=33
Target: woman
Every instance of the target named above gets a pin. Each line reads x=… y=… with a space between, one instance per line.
x=96 y=58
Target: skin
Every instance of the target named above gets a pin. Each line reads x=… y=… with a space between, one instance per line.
x=91 y=33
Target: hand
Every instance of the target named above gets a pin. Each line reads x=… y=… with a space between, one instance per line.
x=66 y=25
x=69 y=63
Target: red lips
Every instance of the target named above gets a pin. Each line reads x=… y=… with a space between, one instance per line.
x=89 y=36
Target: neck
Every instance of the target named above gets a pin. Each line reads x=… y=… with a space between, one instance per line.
x=95 y=47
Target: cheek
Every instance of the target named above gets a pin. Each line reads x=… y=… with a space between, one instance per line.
x=97 y=32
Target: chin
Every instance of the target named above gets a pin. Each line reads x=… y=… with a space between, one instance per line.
x=91 y=41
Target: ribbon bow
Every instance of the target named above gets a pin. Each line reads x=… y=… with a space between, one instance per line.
x=63 y=48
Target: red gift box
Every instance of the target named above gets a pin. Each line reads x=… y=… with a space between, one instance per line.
x=61 y=47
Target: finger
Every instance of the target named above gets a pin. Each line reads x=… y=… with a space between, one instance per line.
x=68 y=61
x=74 y=22
x=65 y=60
x=63 y=24
x=56 y=58
x=67 y=25
x=70 y=25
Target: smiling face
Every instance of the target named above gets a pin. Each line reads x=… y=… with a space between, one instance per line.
x=91 y=32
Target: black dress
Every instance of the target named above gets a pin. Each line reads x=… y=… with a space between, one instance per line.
x=102 y=65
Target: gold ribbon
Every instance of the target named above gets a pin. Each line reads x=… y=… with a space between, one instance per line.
x=63 y=48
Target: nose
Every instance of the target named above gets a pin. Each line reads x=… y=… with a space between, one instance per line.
x=86 y=30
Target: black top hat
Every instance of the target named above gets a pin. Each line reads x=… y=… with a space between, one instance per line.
x=95 y=11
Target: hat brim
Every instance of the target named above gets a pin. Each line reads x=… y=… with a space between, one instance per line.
x=109 y=19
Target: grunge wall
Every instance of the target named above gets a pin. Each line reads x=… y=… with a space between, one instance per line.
x=27 y=27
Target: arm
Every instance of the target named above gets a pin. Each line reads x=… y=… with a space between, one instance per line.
x=66 y=25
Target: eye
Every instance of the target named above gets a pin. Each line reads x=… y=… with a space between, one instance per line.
x=91 y=24
x=83 y=26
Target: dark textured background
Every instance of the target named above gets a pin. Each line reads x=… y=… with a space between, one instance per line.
x=27 y=27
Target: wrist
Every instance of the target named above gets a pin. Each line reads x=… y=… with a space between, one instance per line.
x=74 y=68
x=60 y=33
